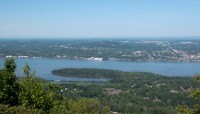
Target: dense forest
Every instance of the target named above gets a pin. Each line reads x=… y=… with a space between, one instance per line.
x=123 y=92
x=88 y=73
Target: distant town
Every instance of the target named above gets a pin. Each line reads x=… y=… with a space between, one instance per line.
x=98 y=50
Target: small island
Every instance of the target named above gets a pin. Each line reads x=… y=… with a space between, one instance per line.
x=88 y=73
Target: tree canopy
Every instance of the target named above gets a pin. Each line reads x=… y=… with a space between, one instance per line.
x=195 y=93
x=8 y=83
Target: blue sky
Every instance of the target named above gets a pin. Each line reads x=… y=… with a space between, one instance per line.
x=99 y=18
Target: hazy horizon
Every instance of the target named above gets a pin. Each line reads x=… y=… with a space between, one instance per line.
x=116 y=37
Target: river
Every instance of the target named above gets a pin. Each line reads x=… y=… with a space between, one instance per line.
x=43 y=67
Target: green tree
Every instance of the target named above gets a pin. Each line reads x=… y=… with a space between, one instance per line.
x=8 y=85
x=196 y=95
x=85 y=106
x=10 y=65
x=38 y=94
x=6 y=109
x=26 y=69
x=105 y=110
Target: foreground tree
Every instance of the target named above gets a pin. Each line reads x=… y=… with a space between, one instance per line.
x=10 y=65
x=6 y=109
x=196 y=95
x=38 y=94
x=27 y=69
x=85 y=105
x=8 y=85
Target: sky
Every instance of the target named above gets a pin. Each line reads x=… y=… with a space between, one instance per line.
x=99 y=18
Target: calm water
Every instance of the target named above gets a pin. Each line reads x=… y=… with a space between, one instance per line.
x=43 y=67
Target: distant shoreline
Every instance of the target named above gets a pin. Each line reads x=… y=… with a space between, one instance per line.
x=113 y=59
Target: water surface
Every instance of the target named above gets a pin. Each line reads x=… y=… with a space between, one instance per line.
x=43 y=67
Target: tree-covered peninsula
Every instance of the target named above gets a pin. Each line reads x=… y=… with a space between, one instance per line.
x=130 y=92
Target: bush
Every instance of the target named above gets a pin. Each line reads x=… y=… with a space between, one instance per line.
x=6 y=109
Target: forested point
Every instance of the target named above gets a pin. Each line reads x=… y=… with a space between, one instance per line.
x=88 y=73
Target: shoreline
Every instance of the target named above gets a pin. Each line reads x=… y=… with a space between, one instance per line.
x=98 y=59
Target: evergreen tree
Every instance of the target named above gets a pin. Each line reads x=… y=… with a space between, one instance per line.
x=10 y=65
x=8 y=85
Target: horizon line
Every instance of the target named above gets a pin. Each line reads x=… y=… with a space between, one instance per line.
x=97 y=37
